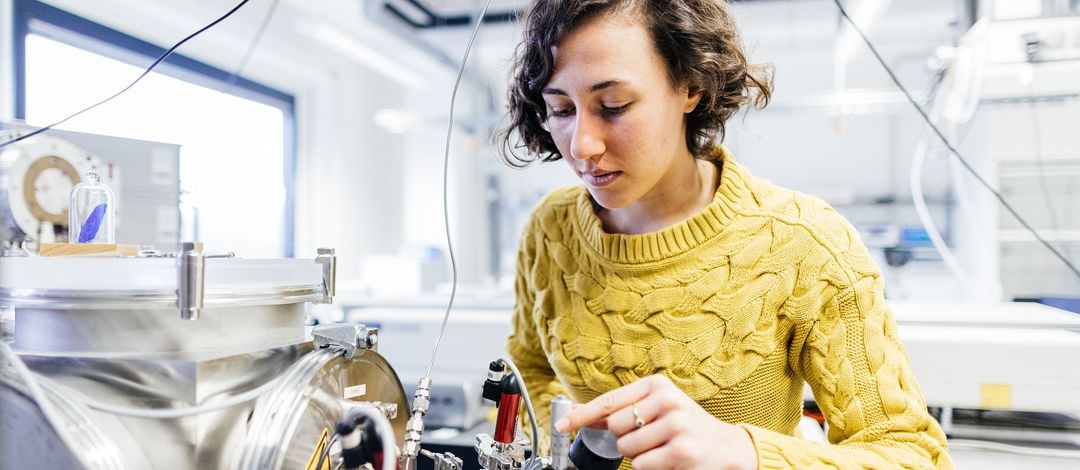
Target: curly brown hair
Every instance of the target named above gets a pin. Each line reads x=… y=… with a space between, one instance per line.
x=697 y=39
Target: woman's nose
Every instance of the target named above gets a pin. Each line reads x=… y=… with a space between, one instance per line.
x=588 y=139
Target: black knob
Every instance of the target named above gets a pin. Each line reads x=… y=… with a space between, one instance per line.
x=595 y=450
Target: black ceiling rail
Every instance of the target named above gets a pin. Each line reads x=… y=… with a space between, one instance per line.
x=435 y=20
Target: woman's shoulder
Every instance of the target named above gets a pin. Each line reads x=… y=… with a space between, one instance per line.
x=815 y=218
x=756 y=195
x=786 y=203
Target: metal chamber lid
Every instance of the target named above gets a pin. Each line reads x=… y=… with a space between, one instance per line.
x=141 y=283
x=287 y=423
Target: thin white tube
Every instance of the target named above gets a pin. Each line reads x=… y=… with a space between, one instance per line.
x=175 y=413
x=446 y=185
x=45 y=405
x=919 y=201
x=927 y=221
x=528 y=405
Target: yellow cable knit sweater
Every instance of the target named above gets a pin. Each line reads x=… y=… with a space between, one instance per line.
x=739 y=305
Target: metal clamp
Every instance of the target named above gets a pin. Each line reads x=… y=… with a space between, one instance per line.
x=494 y=455
x=328 y=259
x=190 y=281
x=444 y=460
x=351 y=337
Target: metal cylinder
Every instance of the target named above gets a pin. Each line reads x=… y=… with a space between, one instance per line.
x=560 y=441
x=190 y=276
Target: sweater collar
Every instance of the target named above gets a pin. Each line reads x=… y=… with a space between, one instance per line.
x=675 y=239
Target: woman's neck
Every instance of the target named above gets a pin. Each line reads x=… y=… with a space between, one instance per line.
x=680 y=195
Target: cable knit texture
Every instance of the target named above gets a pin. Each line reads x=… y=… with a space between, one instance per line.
x=763 y=290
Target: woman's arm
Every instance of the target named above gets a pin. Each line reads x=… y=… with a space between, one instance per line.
x=862 y=382
x=848 y=351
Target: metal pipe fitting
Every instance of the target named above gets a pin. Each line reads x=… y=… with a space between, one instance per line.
x=190 y=281
x=414 y=428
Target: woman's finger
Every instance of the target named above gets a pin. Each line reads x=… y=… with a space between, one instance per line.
x=648 y=437
x=660 y=458
x=627 y=419
x=600 y=424
x=604 y=405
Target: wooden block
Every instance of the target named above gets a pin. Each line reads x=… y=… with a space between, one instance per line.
x=102 y=250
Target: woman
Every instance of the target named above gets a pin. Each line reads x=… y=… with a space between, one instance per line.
x=685 y=300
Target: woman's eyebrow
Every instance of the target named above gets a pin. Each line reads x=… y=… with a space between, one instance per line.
x=606 y=84
x=596 y=87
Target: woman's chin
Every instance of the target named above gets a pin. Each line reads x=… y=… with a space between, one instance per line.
x=608 y=199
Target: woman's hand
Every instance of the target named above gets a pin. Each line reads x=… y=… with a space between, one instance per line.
x=660 y=427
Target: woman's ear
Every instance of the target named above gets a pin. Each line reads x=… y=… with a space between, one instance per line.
x=693 y=97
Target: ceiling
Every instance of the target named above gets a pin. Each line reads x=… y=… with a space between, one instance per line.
x=767 y=26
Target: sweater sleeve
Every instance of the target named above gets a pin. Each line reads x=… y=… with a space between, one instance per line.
x=524 y=344
x=861 y=379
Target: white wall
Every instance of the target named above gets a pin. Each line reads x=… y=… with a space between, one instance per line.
x=470 y=162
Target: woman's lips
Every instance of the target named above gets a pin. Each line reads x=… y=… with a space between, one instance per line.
x=599 y=180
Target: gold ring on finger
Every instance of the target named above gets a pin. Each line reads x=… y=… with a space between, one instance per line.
x=638 y=420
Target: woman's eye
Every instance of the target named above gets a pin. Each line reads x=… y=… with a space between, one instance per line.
x=614 y=111
x=564 y=112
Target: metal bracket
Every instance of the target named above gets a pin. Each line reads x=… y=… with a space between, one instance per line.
x=351 y=337
x=328 y=259
x=443 y=460
x=494 y=455
x=190 y=281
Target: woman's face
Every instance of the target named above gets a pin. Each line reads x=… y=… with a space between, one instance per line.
x=613 y=112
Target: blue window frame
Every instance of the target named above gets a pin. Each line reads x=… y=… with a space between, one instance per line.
x=34 y=17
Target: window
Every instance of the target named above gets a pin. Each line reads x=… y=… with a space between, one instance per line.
x=236 y=136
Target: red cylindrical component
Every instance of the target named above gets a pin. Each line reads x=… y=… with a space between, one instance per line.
x=506 y=423
x=379 y=457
